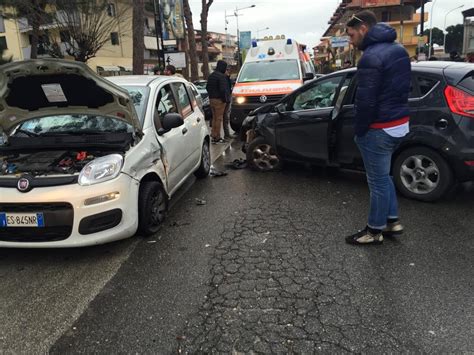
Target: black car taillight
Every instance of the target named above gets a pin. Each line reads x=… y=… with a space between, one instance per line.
x=459 y=101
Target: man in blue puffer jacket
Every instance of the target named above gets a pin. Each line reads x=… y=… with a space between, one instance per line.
x=381 y=118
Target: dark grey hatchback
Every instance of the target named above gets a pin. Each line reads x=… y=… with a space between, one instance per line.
x=314 y=125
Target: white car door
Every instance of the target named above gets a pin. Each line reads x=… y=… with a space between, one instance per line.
x=193 y=120
x=174 y=141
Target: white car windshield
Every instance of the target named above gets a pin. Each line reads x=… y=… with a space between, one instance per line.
x=72 y=124
x=271 y=70
x=139 y=95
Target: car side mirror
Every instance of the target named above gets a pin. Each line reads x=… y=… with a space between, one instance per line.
x=280 y=108
x=170 y=121
x=308 y=76
x=339 y=101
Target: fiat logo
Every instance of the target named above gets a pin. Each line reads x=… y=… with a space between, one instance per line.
x=23 y=185
x=263 y=99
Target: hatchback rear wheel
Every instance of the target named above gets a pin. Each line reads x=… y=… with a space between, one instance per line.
x=421 y=173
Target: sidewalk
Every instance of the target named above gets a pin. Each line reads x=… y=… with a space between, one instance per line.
x=218 y=149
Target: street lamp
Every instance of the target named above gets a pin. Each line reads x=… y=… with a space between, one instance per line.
x=431 y=30
x=444 y=28
x=260 y=30
x=236 y=14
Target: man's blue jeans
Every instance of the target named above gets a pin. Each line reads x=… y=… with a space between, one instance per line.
x=376 y=148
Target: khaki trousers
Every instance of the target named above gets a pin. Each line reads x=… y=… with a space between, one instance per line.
x=218 y=110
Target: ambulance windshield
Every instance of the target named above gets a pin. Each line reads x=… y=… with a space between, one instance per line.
x=269 y=70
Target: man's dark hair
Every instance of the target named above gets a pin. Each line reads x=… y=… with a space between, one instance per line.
x=365 y=17
x=171 y=68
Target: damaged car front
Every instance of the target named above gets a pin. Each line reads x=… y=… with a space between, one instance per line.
x=66 y=152
x=258 y=133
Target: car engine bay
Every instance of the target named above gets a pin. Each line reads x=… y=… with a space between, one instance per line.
x=45 y=163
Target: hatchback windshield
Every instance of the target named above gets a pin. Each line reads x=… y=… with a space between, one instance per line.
x=72 y=124
x=273 y=70
x=139 y=95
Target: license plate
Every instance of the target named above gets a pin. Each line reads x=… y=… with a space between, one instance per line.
x=8 y=219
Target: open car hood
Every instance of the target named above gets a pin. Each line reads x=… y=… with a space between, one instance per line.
x=37 y=88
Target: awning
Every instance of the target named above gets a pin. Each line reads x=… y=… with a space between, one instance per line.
x=108 y=68
x=150 y=43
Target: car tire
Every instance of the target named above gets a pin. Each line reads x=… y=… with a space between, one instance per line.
x=262 y=156
x=205 y=164
x=422 y=174
x=152 y=207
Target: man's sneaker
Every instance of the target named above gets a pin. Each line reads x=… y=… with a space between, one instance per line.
x=219 y=141
x=394 y=229
x=364 y=237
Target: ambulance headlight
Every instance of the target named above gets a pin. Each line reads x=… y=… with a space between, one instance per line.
x=240 y=100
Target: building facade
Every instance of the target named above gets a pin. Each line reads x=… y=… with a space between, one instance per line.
x=400 y=14
x=114 y=56
x=468 y=43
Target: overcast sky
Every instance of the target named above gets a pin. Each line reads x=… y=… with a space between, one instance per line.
x=303 y=20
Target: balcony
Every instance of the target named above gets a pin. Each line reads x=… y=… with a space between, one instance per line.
x=413 y=40
x=381 y=3
x=416 y=18
x=24 y=26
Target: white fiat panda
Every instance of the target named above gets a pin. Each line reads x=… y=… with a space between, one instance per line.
x=86 y=161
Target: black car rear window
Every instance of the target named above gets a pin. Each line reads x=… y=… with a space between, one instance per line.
x=426 y=84
x=468 y=82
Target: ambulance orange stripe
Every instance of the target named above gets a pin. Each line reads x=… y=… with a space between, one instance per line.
x=282 y=82
x=266 y=93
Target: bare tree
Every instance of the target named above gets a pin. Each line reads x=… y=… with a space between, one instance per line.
x=193 y=59
x=34 y=11
x=87 y=25
x=206 y=4
x=138 y=25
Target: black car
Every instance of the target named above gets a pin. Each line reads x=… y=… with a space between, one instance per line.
x=314 y=125
x=206 y=105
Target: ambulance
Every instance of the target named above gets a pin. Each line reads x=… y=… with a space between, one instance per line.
x=272 y=69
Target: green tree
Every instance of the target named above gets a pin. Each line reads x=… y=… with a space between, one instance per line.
x=454 y=38
x=438 y=36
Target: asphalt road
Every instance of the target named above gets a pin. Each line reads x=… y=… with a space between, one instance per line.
x=261 y=267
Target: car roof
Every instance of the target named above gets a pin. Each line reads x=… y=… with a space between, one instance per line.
x=142 y=80
x=440 y=64
x=425 y=64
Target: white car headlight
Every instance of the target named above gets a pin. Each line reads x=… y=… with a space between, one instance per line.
x=101 y=169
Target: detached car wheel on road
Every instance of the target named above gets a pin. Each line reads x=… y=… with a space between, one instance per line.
x=86 y=160
x=314 y=125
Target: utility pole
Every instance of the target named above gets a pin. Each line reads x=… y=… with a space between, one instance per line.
x=402 y=13
x=422 y=21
